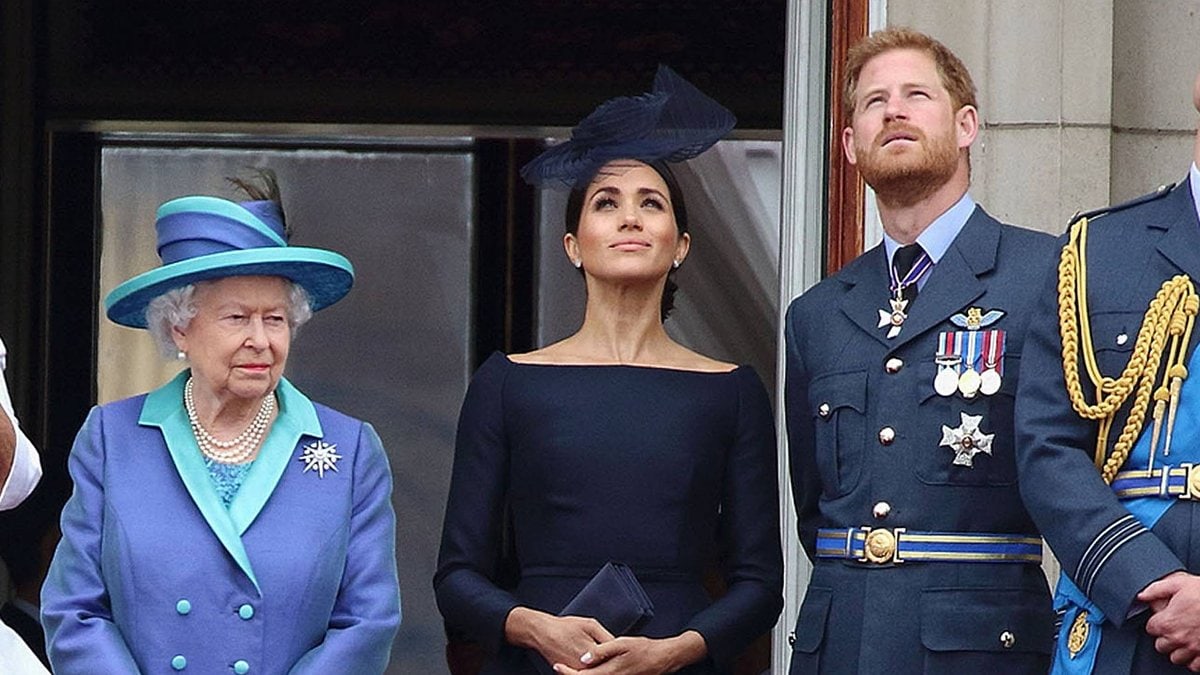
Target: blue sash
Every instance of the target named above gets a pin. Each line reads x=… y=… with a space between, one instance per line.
x=1067 y=597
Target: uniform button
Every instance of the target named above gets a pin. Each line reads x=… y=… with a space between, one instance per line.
x=246 y=612
x=241 y=667
x=823 y=410
x=179 y=663
x=893 y=365
x=887 y=435
x=1122 y=339
x=1007 y=639
x=881 y=510
x=183 y=607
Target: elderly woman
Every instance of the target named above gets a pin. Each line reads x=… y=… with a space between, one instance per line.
x=617 y=444
x=224 y=522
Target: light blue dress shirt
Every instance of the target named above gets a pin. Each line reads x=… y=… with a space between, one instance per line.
x=936 y=238
x=1194 y=179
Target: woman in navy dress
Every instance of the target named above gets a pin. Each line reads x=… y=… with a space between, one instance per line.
x=617 y=443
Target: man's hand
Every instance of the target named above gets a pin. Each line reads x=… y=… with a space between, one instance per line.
x=1175 y=603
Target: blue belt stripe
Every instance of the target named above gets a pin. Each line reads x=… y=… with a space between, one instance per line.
x=849 y=544
x=1143 y=483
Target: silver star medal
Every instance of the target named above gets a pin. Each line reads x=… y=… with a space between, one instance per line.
x=966 y=440
x=320 y=456
x=895 y=318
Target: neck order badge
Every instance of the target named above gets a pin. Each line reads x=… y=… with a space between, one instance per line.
x=904 y=290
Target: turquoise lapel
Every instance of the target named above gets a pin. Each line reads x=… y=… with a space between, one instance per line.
x=297 y=416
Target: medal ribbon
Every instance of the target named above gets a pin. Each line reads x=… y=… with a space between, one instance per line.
x=919 y=268
x=949 y=346
x=993 y=350
x=974 y=349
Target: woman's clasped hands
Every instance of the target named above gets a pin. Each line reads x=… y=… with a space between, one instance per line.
x=578 y=645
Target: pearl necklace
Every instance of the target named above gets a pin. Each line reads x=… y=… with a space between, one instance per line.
x=236 y=450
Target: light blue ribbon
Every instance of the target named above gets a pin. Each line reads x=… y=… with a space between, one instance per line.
x=1067 y=597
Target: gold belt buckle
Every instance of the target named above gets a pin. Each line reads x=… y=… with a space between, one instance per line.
x=1193 y=482
x=880 y=545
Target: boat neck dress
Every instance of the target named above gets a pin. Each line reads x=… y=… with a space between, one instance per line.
x=671 y=472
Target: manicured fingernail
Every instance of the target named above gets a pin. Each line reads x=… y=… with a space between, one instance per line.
x=586 y=658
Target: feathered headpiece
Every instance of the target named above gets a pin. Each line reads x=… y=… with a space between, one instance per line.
x=675 y=121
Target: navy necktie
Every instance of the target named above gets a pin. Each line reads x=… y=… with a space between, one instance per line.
x=902 y=262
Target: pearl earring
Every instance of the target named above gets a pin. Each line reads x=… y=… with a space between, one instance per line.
x=181 y=355
x=676 y=264
x=577 y=263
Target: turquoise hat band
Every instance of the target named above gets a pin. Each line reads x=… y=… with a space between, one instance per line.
x=326 y=277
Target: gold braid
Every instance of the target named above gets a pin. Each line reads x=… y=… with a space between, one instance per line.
x=1171 y=314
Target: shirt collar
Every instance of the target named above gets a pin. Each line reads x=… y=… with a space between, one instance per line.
x=1194 y=180
x=936 y=238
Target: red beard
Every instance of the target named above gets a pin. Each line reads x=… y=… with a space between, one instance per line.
x=907 y=177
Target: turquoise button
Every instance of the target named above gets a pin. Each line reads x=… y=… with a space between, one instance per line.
x=179 y=663
x=241 y=667
x=183 y=607
x=246 y=612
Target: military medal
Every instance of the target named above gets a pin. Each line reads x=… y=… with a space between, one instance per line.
x=989 y=382
x=966 y=440
x=320 y=456
x=946 y=381
x=971 y=361
x=993 y=350
x=969 y=380
x=894 y=317
x=969 y=383
x=948 y=359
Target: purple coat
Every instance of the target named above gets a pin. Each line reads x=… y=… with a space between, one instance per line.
x=155 y=575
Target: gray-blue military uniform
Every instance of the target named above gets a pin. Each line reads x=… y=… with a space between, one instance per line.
x=924 y=558
x=1114 y=540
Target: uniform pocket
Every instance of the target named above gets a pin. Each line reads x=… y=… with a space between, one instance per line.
x=1113 y=337
x=810 y=631
x=838 y=406
x=934 y=462
x=986 y=630
x=810 y=626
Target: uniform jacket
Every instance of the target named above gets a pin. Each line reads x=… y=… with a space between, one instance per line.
x=1131 y=251
x=154 y=574
x=865 y=427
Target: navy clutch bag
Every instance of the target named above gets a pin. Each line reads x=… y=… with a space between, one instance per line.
x=614 y=598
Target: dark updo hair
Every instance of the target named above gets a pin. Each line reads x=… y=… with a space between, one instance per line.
x=575 y=211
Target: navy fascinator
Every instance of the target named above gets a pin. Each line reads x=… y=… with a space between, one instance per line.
x=675 y=121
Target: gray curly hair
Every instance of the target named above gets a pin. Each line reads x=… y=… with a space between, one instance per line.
x=176 y=308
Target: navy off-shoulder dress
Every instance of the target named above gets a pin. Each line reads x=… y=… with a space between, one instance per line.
x=664 y=470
